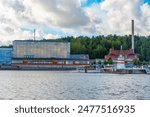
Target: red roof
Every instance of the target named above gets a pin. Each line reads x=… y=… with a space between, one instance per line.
x=123 y=52
x=128 y=54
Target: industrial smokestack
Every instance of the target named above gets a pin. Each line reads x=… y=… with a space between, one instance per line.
x=34 y=34
x=133 y=35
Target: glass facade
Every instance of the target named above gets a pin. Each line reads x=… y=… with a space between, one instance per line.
x=5 y=56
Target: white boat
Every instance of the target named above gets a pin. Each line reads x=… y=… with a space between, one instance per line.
x=148 y=69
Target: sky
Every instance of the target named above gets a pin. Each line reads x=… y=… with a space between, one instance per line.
x=148 y=1
x=53 y=19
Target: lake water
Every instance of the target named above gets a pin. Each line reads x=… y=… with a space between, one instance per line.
x=71 y=85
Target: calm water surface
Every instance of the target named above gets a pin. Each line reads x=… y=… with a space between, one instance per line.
x=70 y=85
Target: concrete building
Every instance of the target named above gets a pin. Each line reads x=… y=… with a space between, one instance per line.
x=46 y=54
x=5 y=56
x=40 y=49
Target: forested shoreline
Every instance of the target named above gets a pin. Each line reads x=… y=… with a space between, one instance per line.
x=98 y=46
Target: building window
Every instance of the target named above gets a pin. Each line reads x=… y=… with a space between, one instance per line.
x=28 y=56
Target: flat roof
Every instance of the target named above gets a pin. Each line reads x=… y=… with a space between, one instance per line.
x=7 y=48
x=56 y=41
x=48 y=59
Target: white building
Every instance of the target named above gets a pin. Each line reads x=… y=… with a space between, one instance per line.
x=121 y=62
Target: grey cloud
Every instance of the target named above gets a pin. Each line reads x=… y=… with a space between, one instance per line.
x=91 y=29
x=119 y=14
x=4 y=19
x=9 y=30
x=107 y=17
x=97 y=20
x=67 y=13
x=16 y=5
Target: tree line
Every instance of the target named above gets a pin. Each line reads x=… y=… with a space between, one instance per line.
x=98 y=46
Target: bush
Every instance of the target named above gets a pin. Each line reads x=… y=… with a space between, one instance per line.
x=99 y=62
x=106 y=62
x=110 y=61
x=136 y=62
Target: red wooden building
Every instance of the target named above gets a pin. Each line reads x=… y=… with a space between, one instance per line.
x=129 y=55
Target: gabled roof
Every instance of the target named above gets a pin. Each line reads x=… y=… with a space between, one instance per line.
x=123 y=52
x=114 y=54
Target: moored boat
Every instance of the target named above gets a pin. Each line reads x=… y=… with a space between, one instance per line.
x=147 y=69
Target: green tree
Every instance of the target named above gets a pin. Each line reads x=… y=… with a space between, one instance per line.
x=98 y=46
x=106 y=62
x=136 y=62
x=110 y=61
x=99 y=62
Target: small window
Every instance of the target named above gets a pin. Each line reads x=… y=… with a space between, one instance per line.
x=28 y=56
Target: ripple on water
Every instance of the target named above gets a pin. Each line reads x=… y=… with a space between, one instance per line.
x=71 y=85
